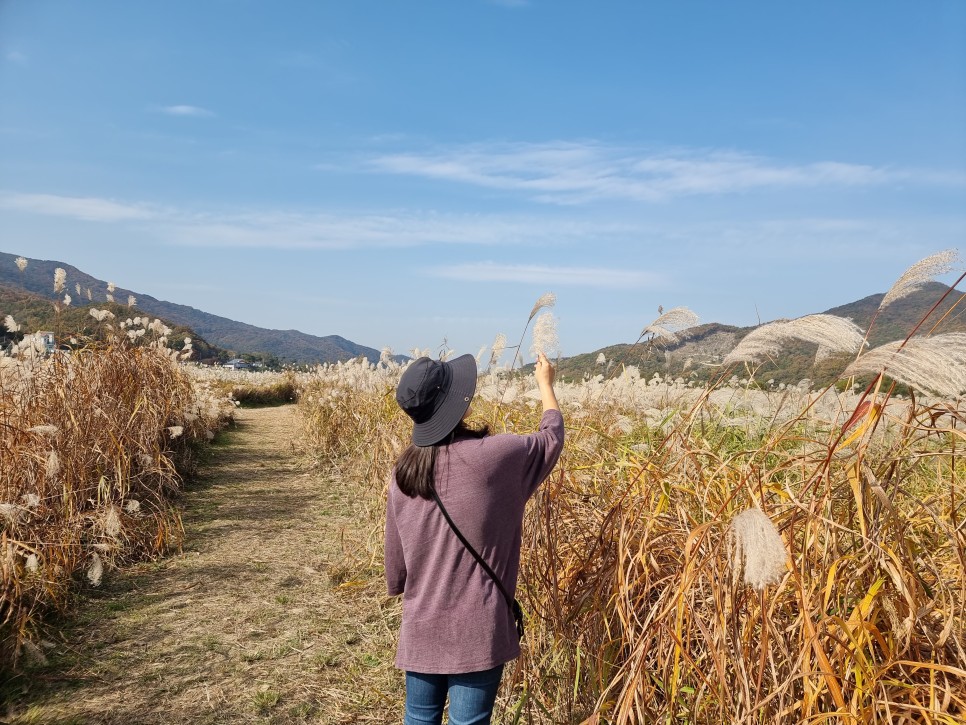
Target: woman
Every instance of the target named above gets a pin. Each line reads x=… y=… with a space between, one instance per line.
x=458 y=629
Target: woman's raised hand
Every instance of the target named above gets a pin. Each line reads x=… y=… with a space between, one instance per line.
x=545 y=375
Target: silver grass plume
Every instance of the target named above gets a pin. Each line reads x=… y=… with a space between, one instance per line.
x=112 y=523
x=131 y=301
x=50 y=430
x=918 y=274
x=829 y=332
x=53 y=464
x=670 y=323
x=101 y=315
x=385 y=356
x=10 y=512
x=60 y=279
x=545 y=338
x=90 y=296
x=499 y=345
x=936 y=364
x=21 y=263
x=67 y=300
x=601 y=359
x=757 y=549
x=546 y=300
x=77 y=288
x=111 y=287
x=96 y=570
x=11 y=324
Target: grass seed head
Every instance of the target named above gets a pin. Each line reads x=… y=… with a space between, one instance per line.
x=936 y=364
x=829 y=332
x=757 y=548
x=670 y=324
x=545 y=338
x=547 y=299
x=920 y=273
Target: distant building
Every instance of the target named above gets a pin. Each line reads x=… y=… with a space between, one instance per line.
x=238 y=364
x=47 y=339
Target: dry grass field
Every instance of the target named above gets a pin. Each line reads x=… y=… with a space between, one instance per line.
x=266 y=616
x=735 y=552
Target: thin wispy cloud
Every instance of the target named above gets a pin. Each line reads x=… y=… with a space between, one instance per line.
x=183 y=110
x=15 y=56
x=76 y=207
x=283 y=229
x=541 y=274
x=580 y=172
x=269 y=228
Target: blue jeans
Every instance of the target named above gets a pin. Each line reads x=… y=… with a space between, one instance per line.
x=471 y=697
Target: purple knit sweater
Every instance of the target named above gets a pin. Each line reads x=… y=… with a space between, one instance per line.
x=455 y=619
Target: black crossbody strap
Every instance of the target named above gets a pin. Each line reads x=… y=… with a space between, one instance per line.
x=512 y=603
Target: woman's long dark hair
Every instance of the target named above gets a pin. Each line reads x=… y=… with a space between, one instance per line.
x=416 y=467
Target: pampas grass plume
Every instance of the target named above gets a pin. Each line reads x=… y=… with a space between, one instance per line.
x=21 y=263
x=920 y=273
x=545 y=338
x=60 y=279
x=96 y=570
x=936 y=364
x=829 y=332
x=53 y=464
x=546 y=300
x=499 y=345
x=670 y=323
x=757 y=549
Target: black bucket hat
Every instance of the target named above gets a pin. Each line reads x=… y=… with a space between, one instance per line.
x=436 y=395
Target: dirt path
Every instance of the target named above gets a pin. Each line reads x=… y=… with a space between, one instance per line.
x=261 y=619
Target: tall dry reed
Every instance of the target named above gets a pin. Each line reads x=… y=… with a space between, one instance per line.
x=654 y=596
x=94 y=444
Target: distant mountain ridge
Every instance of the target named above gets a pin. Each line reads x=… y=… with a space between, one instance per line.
x=288 y=345
x=695 y=357
x=699 y=353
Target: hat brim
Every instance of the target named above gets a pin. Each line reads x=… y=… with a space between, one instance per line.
x=453 y=407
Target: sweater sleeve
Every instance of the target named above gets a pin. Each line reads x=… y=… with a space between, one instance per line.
x=395 y=562
x=543 y=450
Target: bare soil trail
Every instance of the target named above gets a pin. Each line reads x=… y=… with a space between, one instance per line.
x=268 y=615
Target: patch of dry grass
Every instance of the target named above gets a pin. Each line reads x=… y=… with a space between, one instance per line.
x=93 y=444
x=269 y=615
x=637 y=612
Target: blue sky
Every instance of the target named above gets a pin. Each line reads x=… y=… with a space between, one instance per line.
x=404 y=173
